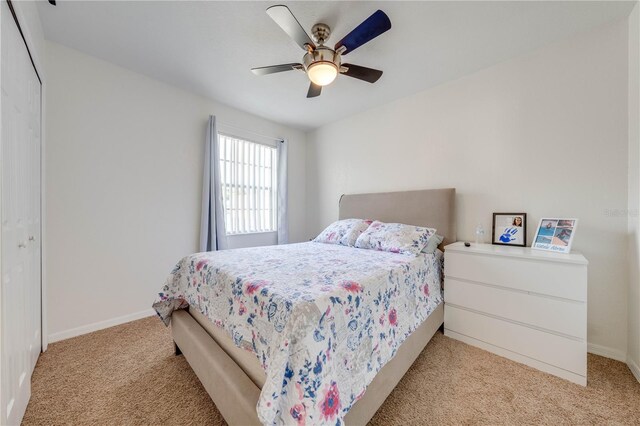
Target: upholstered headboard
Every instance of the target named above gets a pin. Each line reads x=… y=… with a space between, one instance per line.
x=434 y=208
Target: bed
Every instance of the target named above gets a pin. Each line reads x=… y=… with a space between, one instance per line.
x=282 y=336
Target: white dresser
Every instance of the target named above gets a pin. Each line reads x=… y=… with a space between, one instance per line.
x=526 y=305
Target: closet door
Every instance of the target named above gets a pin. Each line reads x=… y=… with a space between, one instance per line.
x=20 y=285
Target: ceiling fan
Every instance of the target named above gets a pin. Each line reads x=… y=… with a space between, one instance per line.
x=322 y=63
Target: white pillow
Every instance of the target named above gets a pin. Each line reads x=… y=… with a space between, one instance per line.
x=395 y=237
x=432 y=244
x=344 y=232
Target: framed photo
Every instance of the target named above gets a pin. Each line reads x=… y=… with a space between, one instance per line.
x=509 y=229
x=555 y=234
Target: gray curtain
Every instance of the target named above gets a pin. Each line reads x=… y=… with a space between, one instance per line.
x=283 y=214
x=212 y=233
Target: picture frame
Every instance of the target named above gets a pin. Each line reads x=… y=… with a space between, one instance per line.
x=509 y=229
x=555 y=234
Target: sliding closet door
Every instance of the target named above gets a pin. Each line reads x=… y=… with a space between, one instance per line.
x=20 y=285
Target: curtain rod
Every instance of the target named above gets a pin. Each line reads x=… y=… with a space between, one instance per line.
x=249 y=131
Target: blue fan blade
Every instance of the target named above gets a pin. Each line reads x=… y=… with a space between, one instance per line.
x=371 y=28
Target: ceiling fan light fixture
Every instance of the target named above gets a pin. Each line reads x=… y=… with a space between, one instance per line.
x=322 y=63
x=322 y=73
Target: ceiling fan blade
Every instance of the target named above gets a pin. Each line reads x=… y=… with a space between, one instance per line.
x=371 y=28
x=285 y=19
x=362 y=73
x=275 y=68
x=314 y=90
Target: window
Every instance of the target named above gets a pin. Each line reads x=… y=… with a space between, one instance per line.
x=249 y=189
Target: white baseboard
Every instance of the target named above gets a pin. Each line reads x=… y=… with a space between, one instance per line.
x=635 y=369
x=89 y=328
x=67 y=334
x=607 y=352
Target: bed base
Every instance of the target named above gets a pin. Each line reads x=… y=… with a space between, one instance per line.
x=236 y=395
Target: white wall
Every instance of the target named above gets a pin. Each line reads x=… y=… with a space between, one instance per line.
x=633 y=356
x=545 y=134
x=124 y=183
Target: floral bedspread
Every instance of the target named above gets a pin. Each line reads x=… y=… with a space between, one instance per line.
x=322 y=319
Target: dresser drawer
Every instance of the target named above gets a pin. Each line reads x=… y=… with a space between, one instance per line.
x=558 y=315
x=558 y=351
x=557 y=279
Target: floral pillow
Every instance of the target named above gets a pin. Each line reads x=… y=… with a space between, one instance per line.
x=395 y=237
x=344 y=232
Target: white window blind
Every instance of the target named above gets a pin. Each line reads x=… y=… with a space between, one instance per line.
x=248 y=179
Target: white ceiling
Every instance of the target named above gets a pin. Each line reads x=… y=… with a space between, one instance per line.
x=209 y=47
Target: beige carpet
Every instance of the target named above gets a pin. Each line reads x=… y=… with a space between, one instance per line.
x=128 y=375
